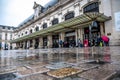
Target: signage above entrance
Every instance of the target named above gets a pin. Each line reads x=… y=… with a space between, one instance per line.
x=70 y=34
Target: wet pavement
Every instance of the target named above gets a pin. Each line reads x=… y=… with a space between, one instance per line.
x=90 y=63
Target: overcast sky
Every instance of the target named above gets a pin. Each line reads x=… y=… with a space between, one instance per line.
x=13 y=12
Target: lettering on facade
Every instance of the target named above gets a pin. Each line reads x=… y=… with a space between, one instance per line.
x=70 y=34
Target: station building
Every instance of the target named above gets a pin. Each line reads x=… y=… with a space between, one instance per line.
x=69 y=20
x=6 y=33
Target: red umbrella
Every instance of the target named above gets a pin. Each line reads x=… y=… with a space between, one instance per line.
x=105 y=38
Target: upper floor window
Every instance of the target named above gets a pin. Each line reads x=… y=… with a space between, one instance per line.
x=55 y=21
x=69 y=15
x=31 y=31
x=37 y=28
x=11 y=36
x=3 y=27
x=44 y=25
x=26 y=32
x=22 y=34
x=93 y=7
x=8 y=28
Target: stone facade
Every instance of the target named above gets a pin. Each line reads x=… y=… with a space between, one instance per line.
x=59 y=11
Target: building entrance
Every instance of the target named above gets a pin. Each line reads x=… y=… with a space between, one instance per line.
x=55 y=41
x=31 y=43
x=70 y=39
x=25 y=45
x=90 y=37
x=45 y=42
x=36 y=43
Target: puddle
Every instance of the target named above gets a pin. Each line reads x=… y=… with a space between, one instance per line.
x=115 y=76
x=98 y=62
x=9 y=76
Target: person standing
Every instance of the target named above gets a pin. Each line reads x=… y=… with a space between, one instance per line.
x=86 y=43
x=61 y=43
x=79 y=43
x=99 y=41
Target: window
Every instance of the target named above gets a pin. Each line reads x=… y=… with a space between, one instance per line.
x=3 y=27
x=55 y=21
x=44 y=25
x=8 y=28
x=5 y=36
x=31 y=31
x=26 y=32
x=69 y=15
x=11 y=36
x=37 y=28
x=93 y=7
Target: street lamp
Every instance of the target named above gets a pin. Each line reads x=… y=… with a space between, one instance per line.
x=93 y=27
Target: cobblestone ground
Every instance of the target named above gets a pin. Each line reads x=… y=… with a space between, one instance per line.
x=92 y=63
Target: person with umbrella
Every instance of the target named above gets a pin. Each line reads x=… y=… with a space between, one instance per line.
x=105 y=40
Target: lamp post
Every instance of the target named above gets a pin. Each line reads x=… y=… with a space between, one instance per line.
x=92 y=28
x=90 y=35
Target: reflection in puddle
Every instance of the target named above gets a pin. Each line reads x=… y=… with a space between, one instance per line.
x=88 y=59
x=9 y=76
x=116 y=76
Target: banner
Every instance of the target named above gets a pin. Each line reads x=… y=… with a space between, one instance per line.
x=117 y=21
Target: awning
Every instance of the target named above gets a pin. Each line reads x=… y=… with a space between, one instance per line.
x=68 y=24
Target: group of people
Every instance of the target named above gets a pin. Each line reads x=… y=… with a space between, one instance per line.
x=103 y=40
x=70 y=43
x=99 y=41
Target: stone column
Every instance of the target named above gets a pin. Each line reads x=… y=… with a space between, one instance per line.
x=20 y=45
x=40 y=42
x=28 y=44
x=101 y=28
x=80 y=33
x=24 y=45
x=17 y=45
x=76 y=36
x=33 y=44
x=49 y=43
x=62 y=36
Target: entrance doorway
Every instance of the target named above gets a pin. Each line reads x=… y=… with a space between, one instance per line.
x=25 y=45
x=36 y=43
x=86 y=38
x=70 y=39
x=91 y=38
x=31 y=43
x=55 y=41
x=44 y=42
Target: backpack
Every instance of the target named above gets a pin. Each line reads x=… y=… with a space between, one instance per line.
x=101 y=43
